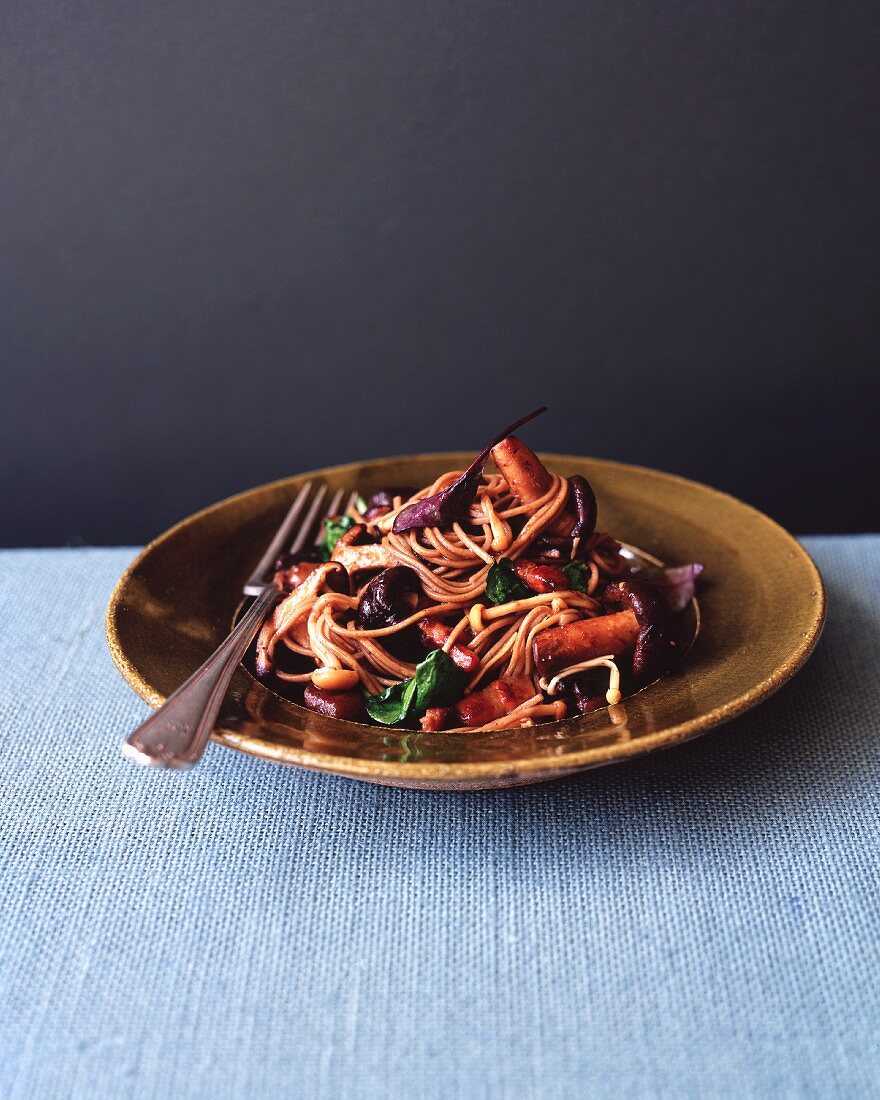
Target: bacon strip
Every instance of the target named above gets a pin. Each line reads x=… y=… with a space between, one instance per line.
x=437 y=718
x=345 y=705
x=435 y=634
x=526 y=475
x=494 y=701
x=567 y=645
x=542 y=578
x=529 y=479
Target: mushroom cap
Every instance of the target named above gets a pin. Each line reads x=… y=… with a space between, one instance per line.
x=586 y=509
x=657 y=646
x=383 y=602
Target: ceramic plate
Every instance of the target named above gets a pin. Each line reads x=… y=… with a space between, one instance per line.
x=761 y=599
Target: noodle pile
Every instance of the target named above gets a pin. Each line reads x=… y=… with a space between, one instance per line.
x=452 y=564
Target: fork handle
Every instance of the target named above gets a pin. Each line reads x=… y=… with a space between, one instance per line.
x=175 y=736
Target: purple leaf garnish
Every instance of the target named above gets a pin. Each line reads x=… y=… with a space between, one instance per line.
x=677 y=583
x=454 y=501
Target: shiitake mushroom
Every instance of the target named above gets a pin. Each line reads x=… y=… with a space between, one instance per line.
x=658 y=644
x=389 y=598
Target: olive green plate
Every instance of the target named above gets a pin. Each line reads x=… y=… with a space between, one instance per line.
x=762 y=603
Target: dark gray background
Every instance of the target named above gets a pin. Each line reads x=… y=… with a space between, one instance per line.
x=240 y=240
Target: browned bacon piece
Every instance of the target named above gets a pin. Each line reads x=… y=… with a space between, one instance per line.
x=529 y=479
x=437 y=718
x=346 y=705
x=493 y=701
x=582 y=641
x=435 y=634
x=526 y=475
x=542 y=578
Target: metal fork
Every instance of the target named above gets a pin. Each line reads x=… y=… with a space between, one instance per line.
x=175 y=736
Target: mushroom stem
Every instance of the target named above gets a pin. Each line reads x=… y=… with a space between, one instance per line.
x=656 y=647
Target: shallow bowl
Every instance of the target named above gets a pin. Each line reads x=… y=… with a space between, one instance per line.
x=761 y=598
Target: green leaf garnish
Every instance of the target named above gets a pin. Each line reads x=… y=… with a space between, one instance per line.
x=436 y=683
x=578 y=573
x=503 y=585
x=334 y=528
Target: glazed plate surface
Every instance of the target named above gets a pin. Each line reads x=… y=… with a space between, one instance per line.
x=762 y=606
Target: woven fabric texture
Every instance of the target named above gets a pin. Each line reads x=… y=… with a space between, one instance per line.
x=698 y=923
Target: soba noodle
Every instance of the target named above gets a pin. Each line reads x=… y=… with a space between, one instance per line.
x=452 y=564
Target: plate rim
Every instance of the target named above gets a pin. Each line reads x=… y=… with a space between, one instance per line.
x=425 y=773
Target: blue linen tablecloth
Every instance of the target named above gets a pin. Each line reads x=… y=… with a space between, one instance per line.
x=702 y=922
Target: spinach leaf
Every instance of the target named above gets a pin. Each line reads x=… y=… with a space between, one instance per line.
x=437 y=682
x=503 y=585
x=394 y=704
x=334 y=528
x=578 y=573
